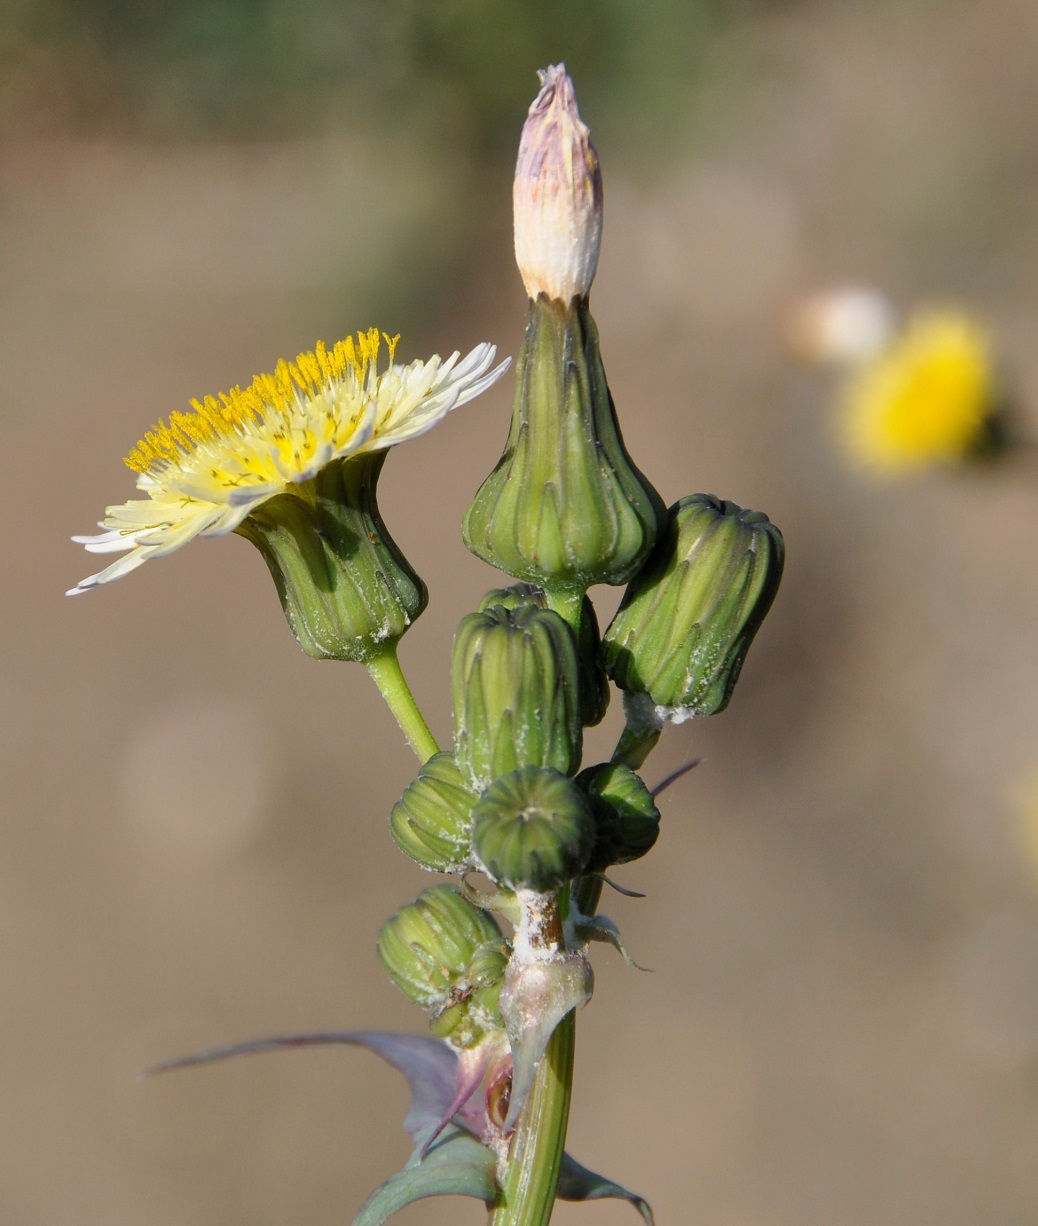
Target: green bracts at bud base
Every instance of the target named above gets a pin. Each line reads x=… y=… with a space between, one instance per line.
x=346 y=588
x=515 y=680
x=533 y=829
x=473 y=1011
x=428 y=946
x=594 y=685
x=565 y=507
x=689 y=616
x=627 y=822
x=432 y=821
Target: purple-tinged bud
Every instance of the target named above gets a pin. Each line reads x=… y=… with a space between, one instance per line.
x=557 y=195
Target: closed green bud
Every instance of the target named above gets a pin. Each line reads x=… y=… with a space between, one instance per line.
x=347 y=590
x=516 y=687
x=689 y=616
x=472 y=1010
x=533 y=829
x=627 y=821
x=428 y=946
x=565 y=507
x=432 y=821
x=594 y=685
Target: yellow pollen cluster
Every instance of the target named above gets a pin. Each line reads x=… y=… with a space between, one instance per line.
x=220 y=417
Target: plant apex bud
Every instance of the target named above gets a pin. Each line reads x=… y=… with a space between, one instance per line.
x=557 y=196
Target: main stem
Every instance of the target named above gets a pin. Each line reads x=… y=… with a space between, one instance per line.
x=535 y=1157
x=389 y=677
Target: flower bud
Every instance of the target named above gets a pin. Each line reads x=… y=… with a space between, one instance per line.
x=533 y=830
x=594 y=685
x=565 y=507
x=688 y=617
x=429 y=945
x=515 y=680
x=432 y=821
x=627 y=821
x=557 y=195
x=472 y=1010
x=346 y=588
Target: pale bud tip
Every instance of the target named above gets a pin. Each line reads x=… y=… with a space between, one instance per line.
x=557 y=195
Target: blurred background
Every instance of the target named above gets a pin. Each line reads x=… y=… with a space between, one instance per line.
x=842 y=914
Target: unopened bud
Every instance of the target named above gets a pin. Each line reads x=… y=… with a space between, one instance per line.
x=557 y=196
x=428 y=946
x=533 y=830
x=627 y=821
x=472 y=1010
x=689 y=616
x=432 y=821
x=565 y=508
x=594 y=685
x=515 y=680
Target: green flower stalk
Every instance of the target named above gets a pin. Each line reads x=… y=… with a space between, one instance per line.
x=565 y=507
x=292 y=464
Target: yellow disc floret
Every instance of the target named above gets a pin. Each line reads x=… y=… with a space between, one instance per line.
x=267 y=397
x=926 y=399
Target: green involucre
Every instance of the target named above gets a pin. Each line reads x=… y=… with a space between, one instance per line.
x=688 y=617
x=346 y=589
x=515 y=680
x=533 y=829
x=565 y=507
x=432 y=821
x=428 y=946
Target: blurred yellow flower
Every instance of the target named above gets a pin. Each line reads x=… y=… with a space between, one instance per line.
x=928 y=397
x=204 y=472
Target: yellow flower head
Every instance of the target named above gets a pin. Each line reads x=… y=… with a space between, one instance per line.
x=204 y=472
x=927 y=398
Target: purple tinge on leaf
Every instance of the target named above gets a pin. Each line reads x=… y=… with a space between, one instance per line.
x=449 y=1159
x=431 y=1069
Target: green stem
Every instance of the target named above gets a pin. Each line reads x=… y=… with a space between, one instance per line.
x=568 y=603
x=636 y=742
x=535 y=1156
x=389 y=677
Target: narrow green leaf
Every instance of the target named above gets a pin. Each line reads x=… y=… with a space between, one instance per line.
x=457 y=1165
x=576 y=1182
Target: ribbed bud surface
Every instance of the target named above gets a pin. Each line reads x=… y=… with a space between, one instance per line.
x=346 y=588
x=515 y=681
x=473 y=1009
x=627 y=822
x=428 y=946
x=565 y=507
x=594 y=685
x=533 y=829
x=689 y=616
x=432 y=821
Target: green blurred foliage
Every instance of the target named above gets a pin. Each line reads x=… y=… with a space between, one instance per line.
x=220 y=69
